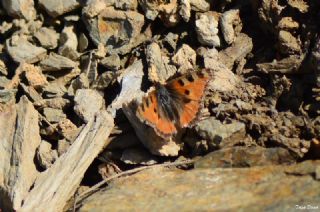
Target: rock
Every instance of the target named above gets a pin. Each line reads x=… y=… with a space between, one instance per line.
x=57 y=8
x=123 y=141
x=87 y=103
x=288 y=43
x=56 y=103
x=200 y=5
x=301 y=5
x=239 y=156
x=171 y=39
x=31 y=93
x=81 y=82
x=68 y=43
x=19 y=140
x=4 y=82
x=61 y=181
x=138 y=155
x=287 y=24
x=53 y=115
x=34 y=76
x=251 y=189
x=111 y=62
x=83 y=42
x=7 y=96
x=46 y=155
x=126 y=4
x=57 y=62
x=287 y=65
x=119 y=31
x=22 y=50
x=207 y=28
x=157 y=71
x=54 y=89
x=63 y=146
x=185 y=58
x=239 y=49
x=68 y=129
x=218 y=134
x=47 y=37
x=3 y=68
x=185 y=10
x=20 y=8
x=231 y=25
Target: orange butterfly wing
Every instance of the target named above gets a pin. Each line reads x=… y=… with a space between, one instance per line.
x=192 y=88
x=149 y=111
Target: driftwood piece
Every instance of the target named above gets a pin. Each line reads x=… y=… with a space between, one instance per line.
x=19 y=138
x=56 y=185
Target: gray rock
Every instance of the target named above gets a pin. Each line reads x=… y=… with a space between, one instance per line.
x=250 y=189
x=63 y=146
x=218 y=134
x=111 y=62
x=22 y=50
x=56 y=8
x=46 y=155
x=57 y=62
x=138 y=155
x=4 y=81
x=3 y=68
x=53 y=115
x=124 y=34
x=185 y=10
x=207 y=29
x=81 y=82
x=83 y=42
x=31 y=93
x=20 y=8
x=56 y=103
x=54 y=89
x=239 y=156
x=68 y=43
x=7 y=96
x=47 y=37
x=87 y=103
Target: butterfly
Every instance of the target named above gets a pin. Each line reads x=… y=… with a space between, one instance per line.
x=176 y=104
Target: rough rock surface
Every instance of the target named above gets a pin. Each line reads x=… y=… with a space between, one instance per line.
x=258 y=188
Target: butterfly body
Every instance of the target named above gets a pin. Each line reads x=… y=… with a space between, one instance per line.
x=174 y=105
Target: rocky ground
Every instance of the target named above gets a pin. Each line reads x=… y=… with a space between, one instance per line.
x=72 y=71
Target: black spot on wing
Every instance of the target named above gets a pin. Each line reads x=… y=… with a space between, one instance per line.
x=190 y=78
x=181 y=83
x=187 y=92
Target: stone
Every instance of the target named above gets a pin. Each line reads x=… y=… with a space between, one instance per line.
x=63 y=146
x=83 y=42
x=239 y=156
x=119 y=31
x=22 y=50
x=57 y=62
x=68 y=43
x=207 y=29
x=54 y=89
x=57 y=8
x=287 y=24
x=56 y=103
x=53 y=115
x=19 y=132
x=81 y=82
x=126 y=4
x=34 y=76
x=68 y=129
x=157 y=71
x=200 y=5
x=185 y=58
x=288 y=44
x=3 y=68
x=7 y=96
x=87 y=103
x=138 y=155
x=301 y=5
x=20 y=8
x=219 y=135
x=46 y=156
x=31 y=93
x=111 y=62
x=185 y=10
x=231 y=25
x=204 y=189
x=47 y=37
